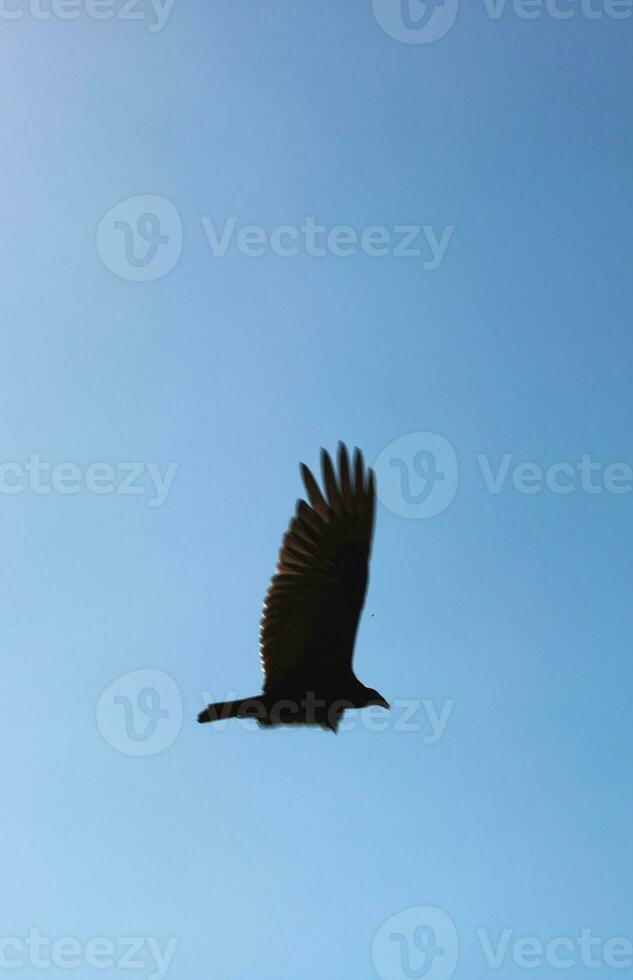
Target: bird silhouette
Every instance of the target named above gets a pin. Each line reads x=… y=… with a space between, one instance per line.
x=313 y=605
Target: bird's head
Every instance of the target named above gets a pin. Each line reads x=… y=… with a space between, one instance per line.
x=372 y=697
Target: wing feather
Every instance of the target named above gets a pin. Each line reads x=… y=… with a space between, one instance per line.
x=344 y=477
x=329 y=482
x=314 y=494
x=316 y=595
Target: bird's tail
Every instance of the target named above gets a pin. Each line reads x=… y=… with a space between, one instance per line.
x=223 y=710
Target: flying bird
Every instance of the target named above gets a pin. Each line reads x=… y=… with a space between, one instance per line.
x=313 y=605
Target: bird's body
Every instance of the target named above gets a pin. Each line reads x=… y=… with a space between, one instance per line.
x=312 y=608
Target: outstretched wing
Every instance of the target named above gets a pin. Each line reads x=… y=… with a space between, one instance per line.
x=312 y=607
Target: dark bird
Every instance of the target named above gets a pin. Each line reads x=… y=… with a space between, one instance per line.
x=311 y=611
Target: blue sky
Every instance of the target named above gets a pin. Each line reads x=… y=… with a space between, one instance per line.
x=286 y=853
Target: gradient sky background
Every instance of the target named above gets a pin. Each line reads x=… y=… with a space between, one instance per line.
x=275 y=854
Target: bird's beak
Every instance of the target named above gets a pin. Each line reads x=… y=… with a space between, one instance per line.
x=382 y=703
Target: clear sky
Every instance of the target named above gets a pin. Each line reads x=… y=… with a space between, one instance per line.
x=128 y=337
